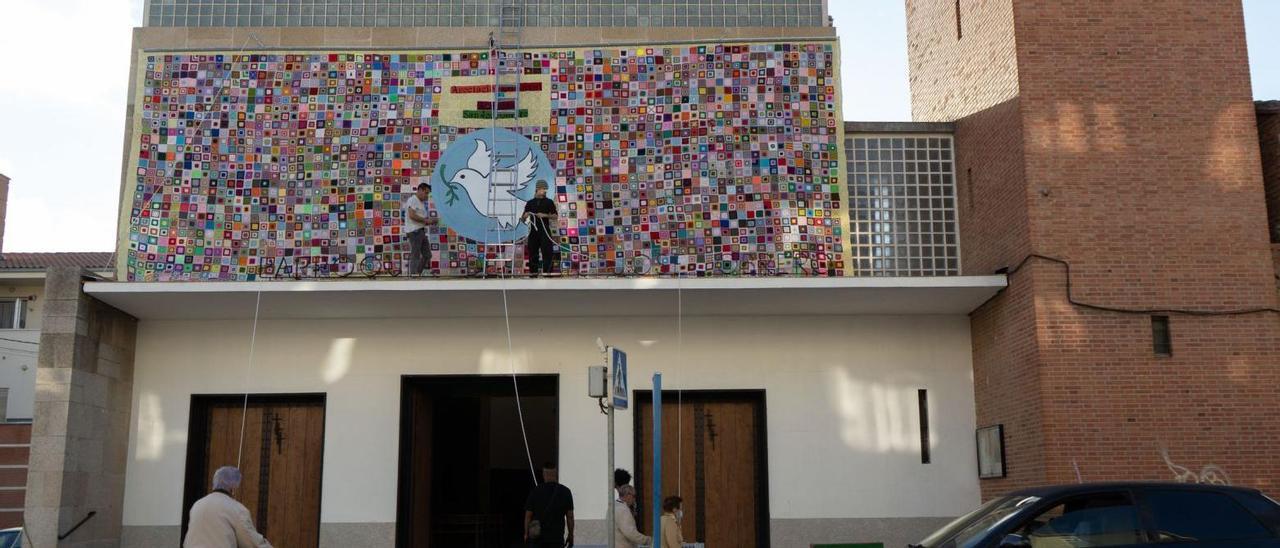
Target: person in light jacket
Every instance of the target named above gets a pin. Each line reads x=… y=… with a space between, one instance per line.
x=671 y=517
x=625 y=534
x=219 y=521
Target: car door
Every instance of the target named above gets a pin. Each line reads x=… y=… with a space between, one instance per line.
x=1101 y=519
x=1202 y=518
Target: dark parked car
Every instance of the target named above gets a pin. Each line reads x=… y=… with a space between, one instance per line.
x=11 y=538
x=1117 y=514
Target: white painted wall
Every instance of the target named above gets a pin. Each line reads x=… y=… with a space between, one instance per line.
x=18 y=349
x=841 y=400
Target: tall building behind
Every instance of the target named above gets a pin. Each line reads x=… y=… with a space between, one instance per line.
x=485 y=13
x=1110 y=167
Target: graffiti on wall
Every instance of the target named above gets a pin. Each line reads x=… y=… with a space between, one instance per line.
x=680 y=159
x=1210 y=473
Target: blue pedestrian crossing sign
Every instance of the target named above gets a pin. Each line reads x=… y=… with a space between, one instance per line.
x=619 y=379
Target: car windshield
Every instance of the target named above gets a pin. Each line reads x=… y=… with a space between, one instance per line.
x=966 y=530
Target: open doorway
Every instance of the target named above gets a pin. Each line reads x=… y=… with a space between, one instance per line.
x=464 y=472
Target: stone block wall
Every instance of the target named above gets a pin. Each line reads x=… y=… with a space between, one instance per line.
x=79 y=441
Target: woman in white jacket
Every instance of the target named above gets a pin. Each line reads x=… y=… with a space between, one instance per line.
x=219 y=521
x=625 y=534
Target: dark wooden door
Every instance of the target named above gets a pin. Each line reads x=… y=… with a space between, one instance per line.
x=281 y=461
x=713 y=456
x=420 y=475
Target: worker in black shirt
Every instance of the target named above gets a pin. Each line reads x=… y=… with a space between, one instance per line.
x=541 y=214
x=551 y=506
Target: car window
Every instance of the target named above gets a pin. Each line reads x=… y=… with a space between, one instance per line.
x=1263 y=508
x=1200 y=516
x=971 y=532
x=946 y=532
x=1085 y=521
x=10 y=539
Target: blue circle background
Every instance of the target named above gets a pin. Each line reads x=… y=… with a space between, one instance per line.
x=462 y=216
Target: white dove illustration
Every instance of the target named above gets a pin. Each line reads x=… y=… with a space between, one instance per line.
x=475 y=178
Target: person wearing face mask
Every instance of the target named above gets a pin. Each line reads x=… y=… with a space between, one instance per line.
x=671 y=518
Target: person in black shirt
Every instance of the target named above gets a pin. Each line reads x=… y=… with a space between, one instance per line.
x=541 y=212
x=551 y=504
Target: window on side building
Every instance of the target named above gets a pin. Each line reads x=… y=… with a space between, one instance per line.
x=13 y=314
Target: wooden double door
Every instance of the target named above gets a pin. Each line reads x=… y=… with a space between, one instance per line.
x=714 y=456
x=281 y=460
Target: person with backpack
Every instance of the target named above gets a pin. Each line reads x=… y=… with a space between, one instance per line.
x=548 y=512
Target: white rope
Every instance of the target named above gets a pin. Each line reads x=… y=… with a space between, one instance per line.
x=679 y=379
x=496 y=64
x=679 y=386
x=253 y=336
x=248 y=374
x=511 y=360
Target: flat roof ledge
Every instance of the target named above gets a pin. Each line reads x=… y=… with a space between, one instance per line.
x=594 y=297
x=899 y=127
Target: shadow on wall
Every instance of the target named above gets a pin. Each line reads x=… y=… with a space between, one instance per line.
x=153 y=432
x=338 y=361
x=876 y=416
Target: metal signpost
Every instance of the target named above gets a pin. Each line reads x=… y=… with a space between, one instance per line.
x=619 y=390
x=656 y=509
x=610 y=381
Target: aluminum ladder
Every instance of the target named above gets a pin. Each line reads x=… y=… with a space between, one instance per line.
x=508 y=62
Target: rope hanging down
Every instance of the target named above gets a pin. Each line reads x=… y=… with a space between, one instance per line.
x=248 y=374
x=679 y=387
x=515 y=383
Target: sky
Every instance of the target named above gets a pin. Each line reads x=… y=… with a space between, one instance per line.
x=62 y=131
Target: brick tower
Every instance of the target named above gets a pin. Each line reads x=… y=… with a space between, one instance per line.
x=1108 y=160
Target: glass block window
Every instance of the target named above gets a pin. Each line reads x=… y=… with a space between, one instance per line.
x=484 y=13
x=902 y=205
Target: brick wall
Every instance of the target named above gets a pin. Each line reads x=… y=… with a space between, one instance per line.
x=1129 y=152
x=946 y=83
x=994 y=232
x=1269 y=141
x=1139 y=126
x=1139 y=132
x=15 y=451
x=1006 y=379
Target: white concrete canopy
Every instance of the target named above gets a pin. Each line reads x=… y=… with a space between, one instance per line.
x=380 y=298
